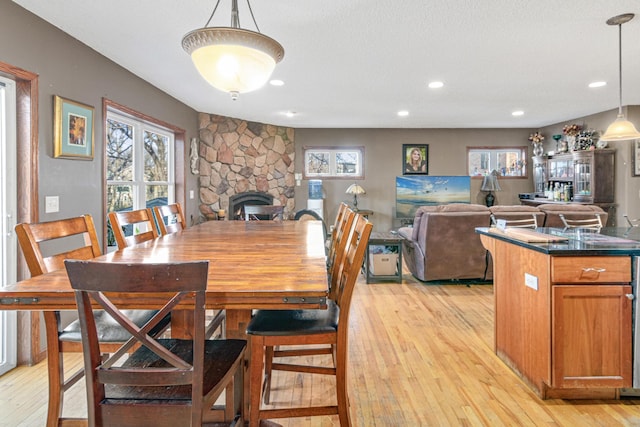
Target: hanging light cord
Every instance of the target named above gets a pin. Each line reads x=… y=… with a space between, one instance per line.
x=620 y=68
x=235 y=17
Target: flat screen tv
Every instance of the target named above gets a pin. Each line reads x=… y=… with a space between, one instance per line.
x=413 y=191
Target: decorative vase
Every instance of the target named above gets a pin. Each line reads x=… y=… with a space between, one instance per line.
x=571 y=142
x=538 y=149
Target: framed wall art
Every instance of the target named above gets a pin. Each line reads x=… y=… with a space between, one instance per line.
x=333 y=162
x=73 y=129
x=415 y=159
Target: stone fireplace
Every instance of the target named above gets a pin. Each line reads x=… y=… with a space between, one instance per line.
x=238 y=157
x=238 y=201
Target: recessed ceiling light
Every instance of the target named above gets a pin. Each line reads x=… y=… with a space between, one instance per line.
x=290 y=113
x=517 y=113
x=276 y=82
x=435 y=85
x=597 y=84
x=403 y=113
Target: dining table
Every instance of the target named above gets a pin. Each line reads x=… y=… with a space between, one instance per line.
x=252 y=265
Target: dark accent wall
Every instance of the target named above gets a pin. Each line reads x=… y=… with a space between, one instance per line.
x=70 y=69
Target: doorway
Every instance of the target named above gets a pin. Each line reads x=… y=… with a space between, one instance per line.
x=8 y=209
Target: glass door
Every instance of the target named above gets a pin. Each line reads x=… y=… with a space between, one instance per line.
x=8 y=202
x=582 y=191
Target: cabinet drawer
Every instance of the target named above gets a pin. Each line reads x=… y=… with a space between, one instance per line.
x=591 y=269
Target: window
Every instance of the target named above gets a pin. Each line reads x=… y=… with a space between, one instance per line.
x=140 y=164
x=508 y=161
x=333 y=162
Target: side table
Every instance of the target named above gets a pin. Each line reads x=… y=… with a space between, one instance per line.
x=383 y=258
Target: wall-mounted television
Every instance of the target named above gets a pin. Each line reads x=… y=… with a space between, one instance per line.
x=413 y=191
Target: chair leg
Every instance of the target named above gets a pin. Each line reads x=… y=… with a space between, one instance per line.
x=255 y=379
x=55 y=370
x=341 y=386
x=268 y=363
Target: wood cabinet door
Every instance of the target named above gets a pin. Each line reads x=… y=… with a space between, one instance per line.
x=591 y=335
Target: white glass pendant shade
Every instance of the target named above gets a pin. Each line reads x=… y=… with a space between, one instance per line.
x=233 y=60
x=620 y=130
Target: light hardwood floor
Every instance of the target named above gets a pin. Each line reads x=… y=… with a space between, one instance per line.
x=420 y=355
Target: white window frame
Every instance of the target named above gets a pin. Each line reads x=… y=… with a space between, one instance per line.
x=493 y=153
x=138 y=183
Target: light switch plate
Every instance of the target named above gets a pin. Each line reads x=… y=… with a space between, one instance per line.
x=51 y=204
x=531 y=281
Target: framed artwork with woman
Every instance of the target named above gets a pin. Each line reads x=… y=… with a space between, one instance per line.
x=415 y=159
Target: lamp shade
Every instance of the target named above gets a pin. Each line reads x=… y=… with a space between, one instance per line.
x=233 y=60
x=620 y=130
x=490 y=183
x=355 y=189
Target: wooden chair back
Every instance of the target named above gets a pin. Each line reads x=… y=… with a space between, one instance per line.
x=31 y=237
x=338 y=248
x=143 y=226
x=163 y=380
x=350 y=267
x=170 y=218
x=263 y=212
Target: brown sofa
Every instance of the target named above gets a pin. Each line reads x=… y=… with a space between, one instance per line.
x=443 y=244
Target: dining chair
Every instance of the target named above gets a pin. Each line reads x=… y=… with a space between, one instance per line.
x=343 y=224
x=79 y=238
x=594 y=222
x=170 y=218
x=519 y=223
x=269 y=328
x=262 y=212
x=165 y=381
x=140 y=224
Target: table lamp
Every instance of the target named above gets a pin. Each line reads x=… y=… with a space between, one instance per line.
x=490 y=184
x=355 y=189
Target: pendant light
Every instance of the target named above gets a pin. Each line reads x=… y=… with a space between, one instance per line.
x=621 y=129
x=233 y=59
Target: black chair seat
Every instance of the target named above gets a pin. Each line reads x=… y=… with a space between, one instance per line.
x=220 y=355
x=109 y=330
x=295 y=322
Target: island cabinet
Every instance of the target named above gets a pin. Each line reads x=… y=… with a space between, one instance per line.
x=591 y=303
x=563 y=322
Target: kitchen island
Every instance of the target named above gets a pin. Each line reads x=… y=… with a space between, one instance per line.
x=563 y=308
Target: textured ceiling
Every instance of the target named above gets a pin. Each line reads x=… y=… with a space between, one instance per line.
x=356 y=63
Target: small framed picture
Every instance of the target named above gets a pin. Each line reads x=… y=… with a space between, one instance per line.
x=635 y=157
x=415 y=159
x=72 y=129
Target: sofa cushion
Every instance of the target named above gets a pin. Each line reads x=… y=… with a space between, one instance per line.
x=451 y=207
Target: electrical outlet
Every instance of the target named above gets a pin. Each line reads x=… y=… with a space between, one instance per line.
x=191 y=194
x=51 y=204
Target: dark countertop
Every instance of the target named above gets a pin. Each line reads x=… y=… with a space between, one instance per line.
x=609 y=241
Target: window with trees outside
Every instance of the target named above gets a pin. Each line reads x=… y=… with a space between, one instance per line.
x=140 y=166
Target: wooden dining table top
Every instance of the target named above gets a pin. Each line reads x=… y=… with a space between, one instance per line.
x=252 y=264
